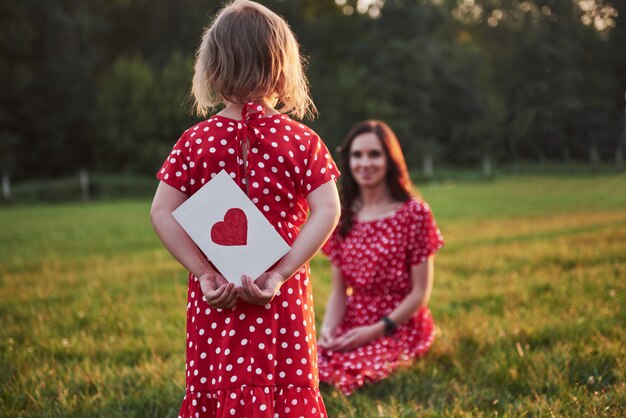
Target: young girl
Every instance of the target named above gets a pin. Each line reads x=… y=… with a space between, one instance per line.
x=251 y=351
x=382 y=257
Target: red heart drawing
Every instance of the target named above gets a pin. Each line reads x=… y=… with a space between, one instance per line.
x=233 y=230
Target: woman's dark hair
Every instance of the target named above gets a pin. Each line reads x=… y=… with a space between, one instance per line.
x=397 y=178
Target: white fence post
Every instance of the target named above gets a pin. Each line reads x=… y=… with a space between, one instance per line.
x=427 y=165
x=6 y=187
x=487 y=165
x=83 y=179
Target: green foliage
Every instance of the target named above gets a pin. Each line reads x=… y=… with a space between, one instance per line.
x=68 y=189
x=104 y=84
x=528 y=300
x=140 y=113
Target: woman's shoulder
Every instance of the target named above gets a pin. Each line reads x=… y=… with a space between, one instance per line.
x=417 y=207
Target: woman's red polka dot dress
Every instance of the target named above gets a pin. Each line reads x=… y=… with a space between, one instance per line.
x=375 y=260
x=254 y=361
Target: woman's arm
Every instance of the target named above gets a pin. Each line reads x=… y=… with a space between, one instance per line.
x=218 y=292
x=422 y=276
x=335 y=309
x=324 y=207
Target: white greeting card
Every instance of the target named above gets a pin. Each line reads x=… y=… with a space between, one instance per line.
x=230 y=230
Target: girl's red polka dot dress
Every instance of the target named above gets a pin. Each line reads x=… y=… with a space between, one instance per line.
x=254 y=361
x=375 y=260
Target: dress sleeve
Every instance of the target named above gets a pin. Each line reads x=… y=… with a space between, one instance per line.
x=332 y=248
x=424 y=238
x=175 y=168
x=320 y=167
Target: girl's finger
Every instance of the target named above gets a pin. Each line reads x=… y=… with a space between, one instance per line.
x=230 y=304
x=212 y=295
x=246 y=287
x=258 y=293
x=223 y=295
x=234 y=295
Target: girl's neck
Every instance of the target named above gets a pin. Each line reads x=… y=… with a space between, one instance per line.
x=375 y=196
x=233 y=110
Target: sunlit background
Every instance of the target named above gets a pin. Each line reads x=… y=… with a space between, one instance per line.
x=101 y=88
x=512 y=118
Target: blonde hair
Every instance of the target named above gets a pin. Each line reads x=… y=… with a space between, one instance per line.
x=248 y=53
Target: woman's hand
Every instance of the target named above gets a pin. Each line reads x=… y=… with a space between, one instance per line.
x=217 y=291
x=327 y=338
x=357 y=337
x=262 y=290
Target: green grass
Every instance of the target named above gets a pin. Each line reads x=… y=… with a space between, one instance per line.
x=529 y=300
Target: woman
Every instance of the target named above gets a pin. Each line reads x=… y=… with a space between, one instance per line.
x=382 y=256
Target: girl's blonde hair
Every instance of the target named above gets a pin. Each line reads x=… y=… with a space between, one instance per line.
x=248 y=53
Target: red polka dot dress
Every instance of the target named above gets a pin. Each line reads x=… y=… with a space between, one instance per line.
x=375 y=260
x=254 y=361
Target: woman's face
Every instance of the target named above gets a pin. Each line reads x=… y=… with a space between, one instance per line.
x=368 y=163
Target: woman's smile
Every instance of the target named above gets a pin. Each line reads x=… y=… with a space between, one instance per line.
x=368 y=162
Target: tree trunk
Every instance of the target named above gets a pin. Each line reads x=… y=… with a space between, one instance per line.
x=619 y=158
x=6 y=187
x=429 y=171
x=83 y=179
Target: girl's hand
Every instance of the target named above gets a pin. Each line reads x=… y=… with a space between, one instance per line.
x=262 y=290
x=327 y=338
x=218 y=292
x=357 y=337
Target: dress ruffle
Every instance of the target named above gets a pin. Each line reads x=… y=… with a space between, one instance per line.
x=348 y=371
x=254 y=402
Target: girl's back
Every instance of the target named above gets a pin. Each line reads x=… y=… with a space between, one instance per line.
x=286 y=160
x=251 y=351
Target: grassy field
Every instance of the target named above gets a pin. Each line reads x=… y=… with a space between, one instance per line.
x=529 y=299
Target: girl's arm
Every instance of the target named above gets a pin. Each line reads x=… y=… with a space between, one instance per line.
x=218 y=292
x=324 y=207
x=422 y=276
x=335 y=309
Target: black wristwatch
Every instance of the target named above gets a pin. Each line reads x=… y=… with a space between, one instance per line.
x=390 y=326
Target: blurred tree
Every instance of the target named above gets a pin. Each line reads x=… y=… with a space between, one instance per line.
x=102 y=84
x=127 y=126
x=141 y=113
x=47 y=60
